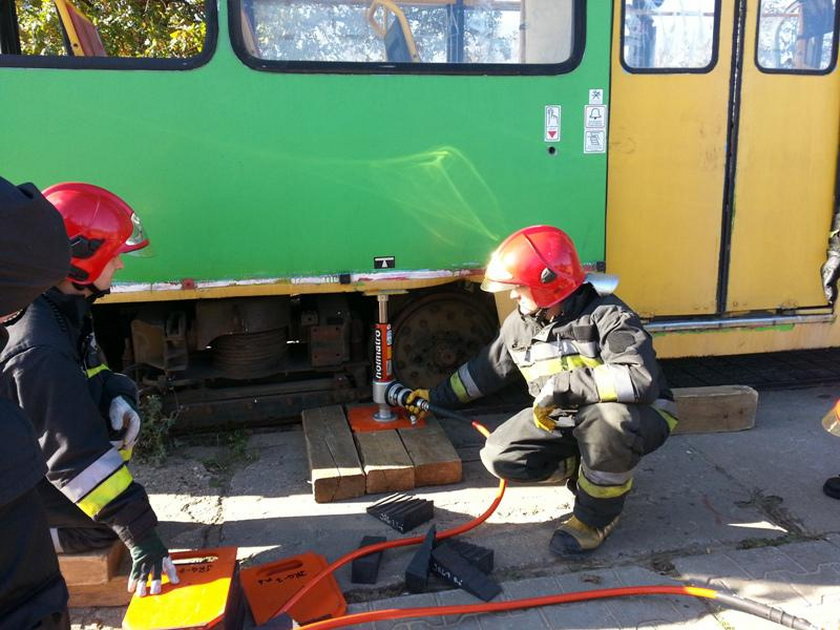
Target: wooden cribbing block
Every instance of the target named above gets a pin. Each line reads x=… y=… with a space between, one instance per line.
x=715 y=409
x=336 y=469
x=435 y=460
x=113 y=593
x=97 y=578
x=387 y=466
x=91 y=567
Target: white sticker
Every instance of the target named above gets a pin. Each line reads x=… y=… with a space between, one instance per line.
x=596 y=97
x=594 y=140
x=595 y=117
x=384 y=262
x=552 y=123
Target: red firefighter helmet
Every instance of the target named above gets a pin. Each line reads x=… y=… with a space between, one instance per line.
x=540 y=257
x=100 y=226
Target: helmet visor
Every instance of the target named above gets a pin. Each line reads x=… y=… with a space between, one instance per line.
x=494 y=286
x=137 y=240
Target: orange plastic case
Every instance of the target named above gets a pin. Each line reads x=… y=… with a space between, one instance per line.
x=208 y=583
x=268 y=586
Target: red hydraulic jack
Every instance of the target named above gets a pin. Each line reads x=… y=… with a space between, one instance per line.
x=381 y=415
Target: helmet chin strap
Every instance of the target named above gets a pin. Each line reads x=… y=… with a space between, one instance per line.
x=95 y=292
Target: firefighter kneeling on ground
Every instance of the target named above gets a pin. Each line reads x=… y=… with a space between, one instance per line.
x=600 y=399
x=84 y=414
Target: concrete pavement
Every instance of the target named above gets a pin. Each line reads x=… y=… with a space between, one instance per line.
x=738 y=511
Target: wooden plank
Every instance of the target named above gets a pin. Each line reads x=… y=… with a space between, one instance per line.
x=386 y=463
x=435 y=460
x=333 y=460
x=112 y=593
x=91 y=567
x=715 y=409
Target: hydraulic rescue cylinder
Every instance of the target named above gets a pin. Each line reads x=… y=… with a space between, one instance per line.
x=382 y=375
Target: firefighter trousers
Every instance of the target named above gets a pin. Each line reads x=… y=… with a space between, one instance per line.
x=607 y=439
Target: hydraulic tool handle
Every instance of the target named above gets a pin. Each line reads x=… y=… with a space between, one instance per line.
x=396 y=395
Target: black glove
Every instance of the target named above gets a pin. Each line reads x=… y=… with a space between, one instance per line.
x=150 y=557
x=830 y=271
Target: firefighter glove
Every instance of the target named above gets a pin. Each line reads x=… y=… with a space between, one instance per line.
x=543 y=406
x=830 y=270
x=150 y=558
x=412 y=403
x=125 y=419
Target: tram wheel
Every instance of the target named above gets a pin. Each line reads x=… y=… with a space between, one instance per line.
x=436 y=334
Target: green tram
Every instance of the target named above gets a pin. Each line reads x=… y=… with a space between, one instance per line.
x=305 y=168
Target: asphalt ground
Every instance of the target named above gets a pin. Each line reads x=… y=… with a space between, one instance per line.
x=739 y=511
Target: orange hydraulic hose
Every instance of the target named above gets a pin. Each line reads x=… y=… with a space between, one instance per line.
x=403 y=542
x=545 y=600
x=760 y=610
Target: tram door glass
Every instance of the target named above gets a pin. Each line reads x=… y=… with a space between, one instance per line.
x=662 y=34
x=795 y=35
x=440 y=32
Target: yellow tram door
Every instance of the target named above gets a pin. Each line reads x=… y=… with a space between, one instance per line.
x=723 y=154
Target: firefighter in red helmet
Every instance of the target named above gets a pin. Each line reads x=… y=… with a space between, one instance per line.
x=85 y=415
x=600 y=399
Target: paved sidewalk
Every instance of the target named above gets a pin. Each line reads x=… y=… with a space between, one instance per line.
x=739 y=511
x=801 y=578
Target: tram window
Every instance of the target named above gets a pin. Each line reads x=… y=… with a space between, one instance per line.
x=796 y=36
x=440 y=33
x=669 y=35
x=123 y=29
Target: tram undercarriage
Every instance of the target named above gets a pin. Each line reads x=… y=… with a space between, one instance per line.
x=255 y=360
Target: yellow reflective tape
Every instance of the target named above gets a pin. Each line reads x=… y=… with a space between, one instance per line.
x=126 y=453
x=556 y=365
x=105 y=492
x=604 y=492
x=578 y=360
x=671 y=420
x=96 y=370
x=605 y=383
x=458 y=388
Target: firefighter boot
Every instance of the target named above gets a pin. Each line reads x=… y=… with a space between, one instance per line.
x=832 y=487
x=575 y=537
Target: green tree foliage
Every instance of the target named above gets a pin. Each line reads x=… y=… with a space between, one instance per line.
x=127 y=28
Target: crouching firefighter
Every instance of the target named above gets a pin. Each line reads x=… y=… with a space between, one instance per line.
x=85 y=415
x=600 y=399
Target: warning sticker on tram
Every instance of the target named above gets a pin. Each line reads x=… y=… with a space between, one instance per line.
x=595 y=141
x=595 y=117
x=384 y=262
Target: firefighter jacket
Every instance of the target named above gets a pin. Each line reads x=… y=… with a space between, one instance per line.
x=34 y=254
x=595 y=351
x=31 y=586
x=53 y=369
